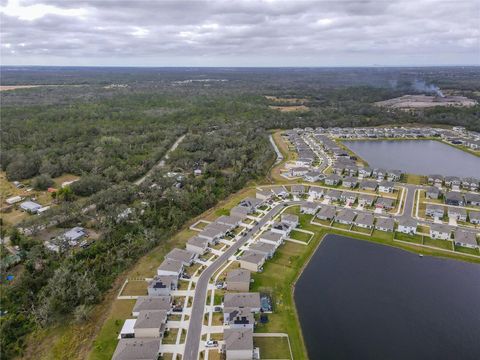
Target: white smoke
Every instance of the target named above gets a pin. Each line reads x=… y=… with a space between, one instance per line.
x=422 y=86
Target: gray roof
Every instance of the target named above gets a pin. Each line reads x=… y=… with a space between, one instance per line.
x=153 y=303
x=163 y=281
x=238 y=275
x=253 y=257
x=137 y=349
x=346 y=215
x=180 y=255
x=465 y=237
x=326 y=211
x=454 y=195
x=407 y=222
x=263 y=247
x=474 y=215
x=440 y=228
x=198 y=241
x=171 y=265
x=269 y=235
x=242 y=300
x=385 y=223
x=229 y=220
x=298 y=188
x=148 y=319
x=364 y=219
x=238 y=339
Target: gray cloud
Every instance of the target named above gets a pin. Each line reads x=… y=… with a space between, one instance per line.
x=244 y=33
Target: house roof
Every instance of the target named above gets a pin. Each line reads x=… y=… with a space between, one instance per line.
x=171 y=265
x=148 y=319
x=345 y=215
x=465 y=237
x=238 y=339
x=198 y=241
x=364 y=219
x=153 y=303
x=162 y=282
x=30 y=205
x=75 y=233
x=229 y=220
x=238 y=275
x=407 y=222
x=253 y=257
x=137 y=349
x=180 y=255
x=474 y=215
x=443 y=228
x=386 y=183
x=242 y=300
x=315 y=189
x=263 y=247
x=385 y=223
x=271 y=236
x=289 y=218
x=326 y=211
x=453 y=195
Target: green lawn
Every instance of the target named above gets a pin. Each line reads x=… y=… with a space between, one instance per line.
x=170 y=336
x=341 y=226
x=417 y=239
x=467 y=250
x=135 y=287
x=442 y=244
x=272 y=347
x=362 y=230
x=301 y=236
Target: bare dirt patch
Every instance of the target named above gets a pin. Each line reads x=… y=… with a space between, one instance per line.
x=289 y=108
x=15 y=87
x=409 y=102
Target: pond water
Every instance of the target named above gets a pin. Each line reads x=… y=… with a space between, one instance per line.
x=359 y=300
x=424 y=157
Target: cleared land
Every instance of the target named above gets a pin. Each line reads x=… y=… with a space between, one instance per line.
x=408 y=102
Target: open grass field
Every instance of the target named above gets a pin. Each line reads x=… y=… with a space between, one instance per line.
x=272 y=347
x=466 y=250
x=442 y=244
x=417 y=239
x=300 y=236
x=135 y=288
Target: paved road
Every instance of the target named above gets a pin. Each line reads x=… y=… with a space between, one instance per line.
x=194 y=332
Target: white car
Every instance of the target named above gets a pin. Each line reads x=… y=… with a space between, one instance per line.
x=211 y=343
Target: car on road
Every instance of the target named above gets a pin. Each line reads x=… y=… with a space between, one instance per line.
x=211 y=343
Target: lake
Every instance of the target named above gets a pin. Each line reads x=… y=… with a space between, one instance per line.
x=424 y=157
x=359 y=300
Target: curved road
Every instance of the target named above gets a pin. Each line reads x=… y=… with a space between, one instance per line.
x=194 y=332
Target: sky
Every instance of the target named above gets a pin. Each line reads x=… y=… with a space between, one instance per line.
x=240 y=33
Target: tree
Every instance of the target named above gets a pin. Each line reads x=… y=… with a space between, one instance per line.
x=42 y=182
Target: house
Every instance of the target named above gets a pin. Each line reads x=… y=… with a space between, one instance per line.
x=263 y=194
x=432 y=192
x=281 y=228
x=197 y=172
x=338 y=169
x=380 y=174
x=313 y=176
x=469 y=183
x=273 y=238
x=263 y=248
x=152 y=303
x=386 y=186
x=238 y=344
x=385 y=224
x=453 y=182
x=365 y=172
x=30 y=206
x=238 y=280
x=251 y=260
x=74 y=234
x=326 y=213
x=240 y=211
x=309 y=208
x=299 y=171
x=474 y=217
x=407 y=226
x=245 y=300
x=332 y=180
x=150 y=324
x=472 y=199
x=170 y=267
x=238 y=319
x=364 y=220
x=351 y=170
x=435 y=180
x=162 y=285
x=333 y=195
x=297 y=190
x=349 y=182
x=315 y=192
x=135 y=349
x=384 y=203
x=186 y=257
x=197 y=245
x=13 y=200
x=394 y=175
x=435 y=211
x=345 y=216
x=348 y=197
x=366 y=200
x=127 y=331
x=454 y=198
x=369 y=185
x=457 y=213
x=212 y=234
x=230 y=221
x=440 y=231
x=280 y=191
x=465 y=238
x=290 y=219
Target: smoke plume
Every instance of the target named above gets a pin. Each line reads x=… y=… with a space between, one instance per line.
x=422 y=86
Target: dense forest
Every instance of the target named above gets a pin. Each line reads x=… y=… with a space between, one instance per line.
x=112 y=135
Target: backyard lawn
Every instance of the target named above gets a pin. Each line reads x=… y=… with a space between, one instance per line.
x=272 y=347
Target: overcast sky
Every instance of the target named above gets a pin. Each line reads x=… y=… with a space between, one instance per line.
x=240 y=33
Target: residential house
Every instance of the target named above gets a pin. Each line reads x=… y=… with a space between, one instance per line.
x=170 y=267
x=238 y=280
x=394 y=175
x=453 y=182
x=13 y=200
x=365 y=172
x=465 y=238
x=197 y=245
x=152 y=303
x=246 y=300
x=457 y=213
x=380 y=174
x=150 y=324
x=345 y=216
x=348 y=197
x=212 y=233
x=386 y=187
x=366 y=200
x=472 y=199
x=264 y=194
x=474 y=217
x=135 y=349
x=280 y=191
x=333 y=195
x=435 y=180
x=74 y=235
x=238 y=344
x=368 y=185
x=299 y=171
x=384 y=203
x=407 y=226
x=230 y=221
x=349 y=182
x=298 y=190
x=281 y=228
x=432 y=192
x=332 y=180
x=273 y=238
x=263 y=248
x=313 y=176
x=30 y=206
x=315 y=192
x=162 y=285
x=385 y=224
x=238 y=319
x=440 y=231
x=251 y=260
x=454 y=198
x=326 y=213
x=186 y=257
x=364 y=220
x=309 y=208
x=435 y=211
x=290 y=219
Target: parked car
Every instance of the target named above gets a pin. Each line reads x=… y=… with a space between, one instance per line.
x=211 y=343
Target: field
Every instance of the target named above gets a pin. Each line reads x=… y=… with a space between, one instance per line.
x=289 y=108
x=272 y=347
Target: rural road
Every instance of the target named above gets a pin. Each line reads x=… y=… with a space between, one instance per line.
x=161 y=163
x=194 y=332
